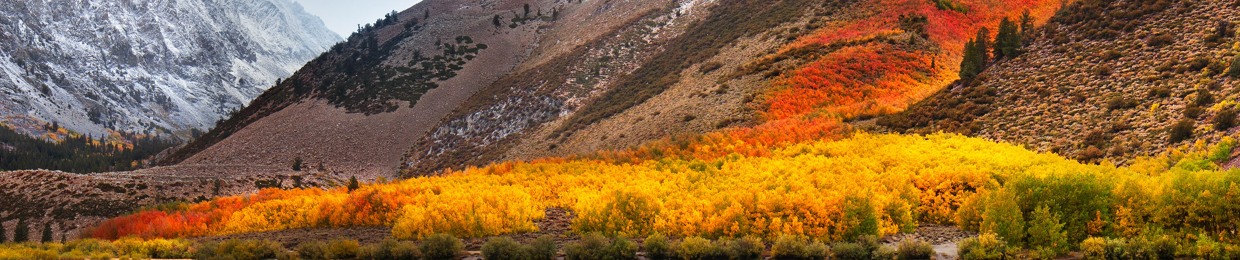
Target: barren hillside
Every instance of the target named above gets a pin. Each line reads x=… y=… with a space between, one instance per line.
x=345 y=109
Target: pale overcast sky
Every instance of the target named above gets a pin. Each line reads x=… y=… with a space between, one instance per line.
x=343 y=16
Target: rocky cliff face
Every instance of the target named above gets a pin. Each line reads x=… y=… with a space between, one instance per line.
x=147 y=66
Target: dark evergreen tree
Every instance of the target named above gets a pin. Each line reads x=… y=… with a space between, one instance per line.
x=322 y=168
x=527 y=11
x=79 y=154
x=496 y=21
x=4 y=234
x=1007 y=42
x=1026 y=25
x=47 y=233
x=297 y=164
x=21 y=232
x=968 y=64
x=216 y=187
x=976 y=56
x=353 y=185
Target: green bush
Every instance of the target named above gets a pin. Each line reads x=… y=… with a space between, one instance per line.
x=1207 y=248
x=849 y=251
x=503 y=248
x=344 y=248
x=1046 y=232
x=1165 y=247
x=390 y=249
x=866 y=247
x=1094 y=248
x=658 y=247
x=1225 y=119
x=697 y=248
x=442 y=247
x=1204 y=98
x=1078 y=200
x=870 y=243
x=543 y=248
x=1180 y=131
x=1042 y=253
x=313 y=250
x=1003 y=217
x=789 y=247
x=241 y=249
x=860 y=216
x=985 y=246
x=621 y=249
x=1234 y=71
x=85 y=247
x=1195 y=202
x=885 y=253
x=745 y=248
x=911 y=249
x=1117 y=248
x=1140 y=248
x=596 y=246
x=591 y=246
x=334 y=249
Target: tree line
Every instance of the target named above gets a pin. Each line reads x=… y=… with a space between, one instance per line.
x=75 y=153
x=1007 y=44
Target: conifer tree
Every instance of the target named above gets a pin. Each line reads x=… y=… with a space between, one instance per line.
x=976 y=55
x=1007 y=42
x=297 y=164
x=968 y=65
x=1026 y=24
x=47 y=233
x=21 y=233
x=353 y=185
x=983 y=45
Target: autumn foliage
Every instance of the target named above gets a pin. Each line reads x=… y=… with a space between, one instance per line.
x=827 y=190
x=869 y=76
x=798 y=173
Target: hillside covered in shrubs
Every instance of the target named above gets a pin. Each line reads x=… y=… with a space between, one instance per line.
x=805 y=180
x=1103 y=80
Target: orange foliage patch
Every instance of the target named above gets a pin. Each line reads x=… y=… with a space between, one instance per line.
x=853 y=80
x=878 y=78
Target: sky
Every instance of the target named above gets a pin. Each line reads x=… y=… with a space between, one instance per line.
x=343 y=16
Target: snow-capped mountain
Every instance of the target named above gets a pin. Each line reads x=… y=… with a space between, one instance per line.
x=147 y=65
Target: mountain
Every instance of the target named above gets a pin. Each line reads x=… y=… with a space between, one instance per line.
x=1103 y=81
x=152 y=67
x=458 y=83
x=528 y=111
x=601 y=120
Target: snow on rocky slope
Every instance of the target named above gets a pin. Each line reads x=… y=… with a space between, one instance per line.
x=157 y=66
